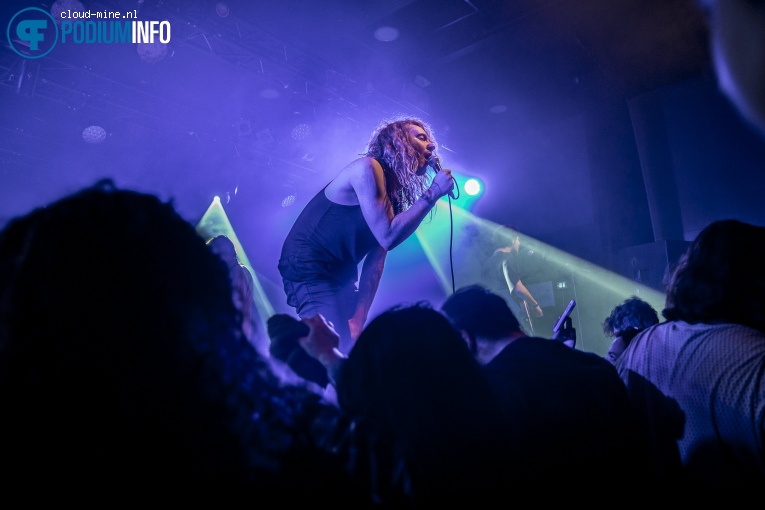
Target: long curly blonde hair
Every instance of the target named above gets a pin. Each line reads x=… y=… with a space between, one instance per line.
x=389 y=144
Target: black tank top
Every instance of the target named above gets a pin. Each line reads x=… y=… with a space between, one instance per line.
x=327 y=242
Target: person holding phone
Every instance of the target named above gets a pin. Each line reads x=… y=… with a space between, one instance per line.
x=570 y=406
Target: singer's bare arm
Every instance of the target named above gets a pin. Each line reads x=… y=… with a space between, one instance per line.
x=363 y=182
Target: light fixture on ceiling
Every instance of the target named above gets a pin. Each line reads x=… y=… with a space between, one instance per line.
x=264 y=136
x=60 y=6
x=221 y=9
x=301 y=131
x=291 y=195
x=288 y=200
x=152 y=52
x=94 y=134
x=269 y=93
x=386 y=34
x=243 y=128
x=498 y=108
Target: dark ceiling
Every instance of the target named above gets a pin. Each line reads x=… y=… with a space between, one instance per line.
x=278 y=93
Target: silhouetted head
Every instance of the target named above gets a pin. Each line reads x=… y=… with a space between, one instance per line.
x=721 y=277
x=411 y=374
x=630 y=316
x=402 y=356
x=121 y=359
x=480 y=313
x=224 y=248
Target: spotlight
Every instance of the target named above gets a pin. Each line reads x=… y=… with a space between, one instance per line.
x=291 y=194
x=470 y=190
x=94 y=134
x=288 y=200
x=472 y=187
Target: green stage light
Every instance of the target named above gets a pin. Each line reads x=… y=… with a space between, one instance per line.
x=555 y=276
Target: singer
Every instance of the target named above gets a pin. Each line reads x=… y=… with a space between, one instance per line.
x=371 y=206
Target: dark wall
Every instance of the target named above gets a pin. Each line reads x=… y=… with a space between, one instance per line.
x=700 y=161
x=664 y=165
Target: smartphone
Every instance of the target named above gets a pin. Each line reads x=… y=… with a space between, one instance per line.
x=564 y=316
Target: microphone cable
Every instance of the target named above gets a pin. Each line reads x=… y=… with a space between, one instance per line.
x=436 y=164
x=451 y=241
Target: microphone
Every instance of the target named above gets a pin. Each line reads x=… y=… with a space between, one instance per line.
x=435 y=163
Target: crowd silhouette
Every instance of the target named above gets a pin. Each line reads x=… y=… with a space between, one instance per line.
x=122 y=347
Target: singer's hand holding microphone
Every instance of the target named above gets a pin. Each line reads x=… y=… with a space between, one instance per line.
x=443 y=181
